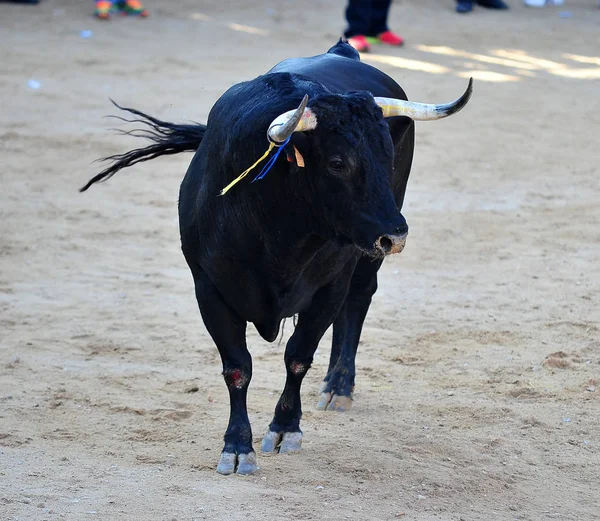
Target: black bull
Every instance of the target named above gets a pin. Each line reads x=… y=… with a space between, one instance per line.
x=307 y=239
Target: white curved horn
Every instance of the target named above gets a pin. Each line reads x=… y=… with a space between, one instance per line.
x=299 y=120
x=423 y=111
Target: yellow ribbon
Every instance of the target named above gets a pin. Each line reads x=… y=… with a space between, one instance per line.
x=245 y=172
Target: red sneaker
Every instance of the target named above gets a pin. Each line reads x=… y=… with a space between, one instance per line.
x=390 y=38
x=359 y=42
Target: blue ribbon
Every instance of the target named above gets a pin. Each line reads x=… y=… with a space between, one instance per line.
x=271 y=162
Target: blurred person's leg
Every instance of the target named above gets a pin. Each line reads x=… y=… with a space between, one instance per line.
x=358 y=16
x=378 y=29
x=493 y=4
x=379 y=16
x=464 y=6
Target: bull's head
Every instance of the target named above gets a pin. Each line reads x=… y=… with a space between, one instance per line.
x=351 y=154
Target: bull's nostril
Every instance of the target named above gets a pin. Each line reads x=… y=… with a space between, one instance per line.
x=386 y=244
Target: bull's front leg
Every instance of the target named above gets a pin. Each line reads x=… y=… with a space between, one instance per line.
x=338 y=385
x=284 y=434
x=228 y=331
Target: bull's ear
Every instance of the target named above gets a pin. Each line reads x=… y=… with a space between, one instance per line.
x=398 y=127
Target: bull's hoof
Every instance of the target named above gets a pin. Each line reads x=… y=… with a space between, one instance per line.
x=247 y=464
x=281 y=442
x=291 y=442
x=334 y=402
x=243 y=464
x=324 y=401
x=271 y=441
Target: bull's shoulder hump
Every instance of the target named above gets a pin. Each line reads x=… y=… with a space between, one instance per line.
x=341 y=74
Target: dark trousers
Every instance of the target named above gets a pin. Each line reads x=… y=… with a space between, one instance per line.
x=368 y=17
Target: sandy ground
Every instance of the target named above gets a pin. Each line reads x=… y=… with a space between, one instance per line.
x=478 y=384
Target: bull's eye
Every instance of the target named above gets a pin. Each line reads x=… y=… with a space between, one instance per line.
x=336 y=165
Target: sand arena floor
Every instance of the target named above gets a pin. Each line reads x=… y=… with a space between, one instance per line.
x=477 y=390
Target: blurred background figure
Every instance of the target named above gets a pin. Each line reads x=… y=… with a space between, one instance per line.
x=544 y=3
x=466 y=6
x=367 y=24
x=104 y=8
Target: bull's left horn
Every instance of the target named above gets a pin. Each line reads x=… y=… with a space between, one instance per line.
x=286 y=124
x=423 y=111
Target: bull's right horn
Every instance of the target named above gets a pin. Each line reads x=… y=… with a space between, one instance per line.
x=286 y=124
x=423 y=111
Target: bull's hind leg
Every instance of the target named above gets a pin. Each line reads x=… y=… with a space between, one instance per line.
x=338 y=385
x=228 y=331
x=284 y=434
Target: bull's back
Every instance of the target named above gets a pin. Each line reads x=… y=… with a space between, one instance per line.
x=340 y=70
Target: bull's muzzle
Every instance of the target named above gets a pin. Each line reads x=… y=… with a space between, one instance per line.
x=389 y=244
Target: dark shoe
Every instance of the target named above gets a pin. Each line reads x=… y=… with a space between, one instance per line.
x=493 y=4
x=464 y=7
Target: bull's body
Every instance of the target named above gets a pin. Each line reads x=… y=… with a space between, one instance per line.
x=306 y=240
x=264 y=258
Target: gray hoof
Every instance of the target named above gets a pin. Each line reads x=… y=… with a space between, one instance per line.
x=240 y=464
x=291 y=442
x=333 y=402
x=247 y=464
x=340 y=403
x=281 y=442
x=324 y=401
x=271 y=441
x=226 y=464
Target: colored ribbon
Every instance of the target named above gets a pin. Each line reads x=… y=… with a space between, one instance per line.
x=265 y=169
x=271 y=162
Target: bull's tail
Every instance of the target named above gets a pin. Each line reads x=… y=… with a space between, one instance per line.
x=167 y=138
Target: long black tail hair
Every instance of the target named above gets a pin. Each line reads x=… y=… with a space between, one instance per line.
x=167 y=138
